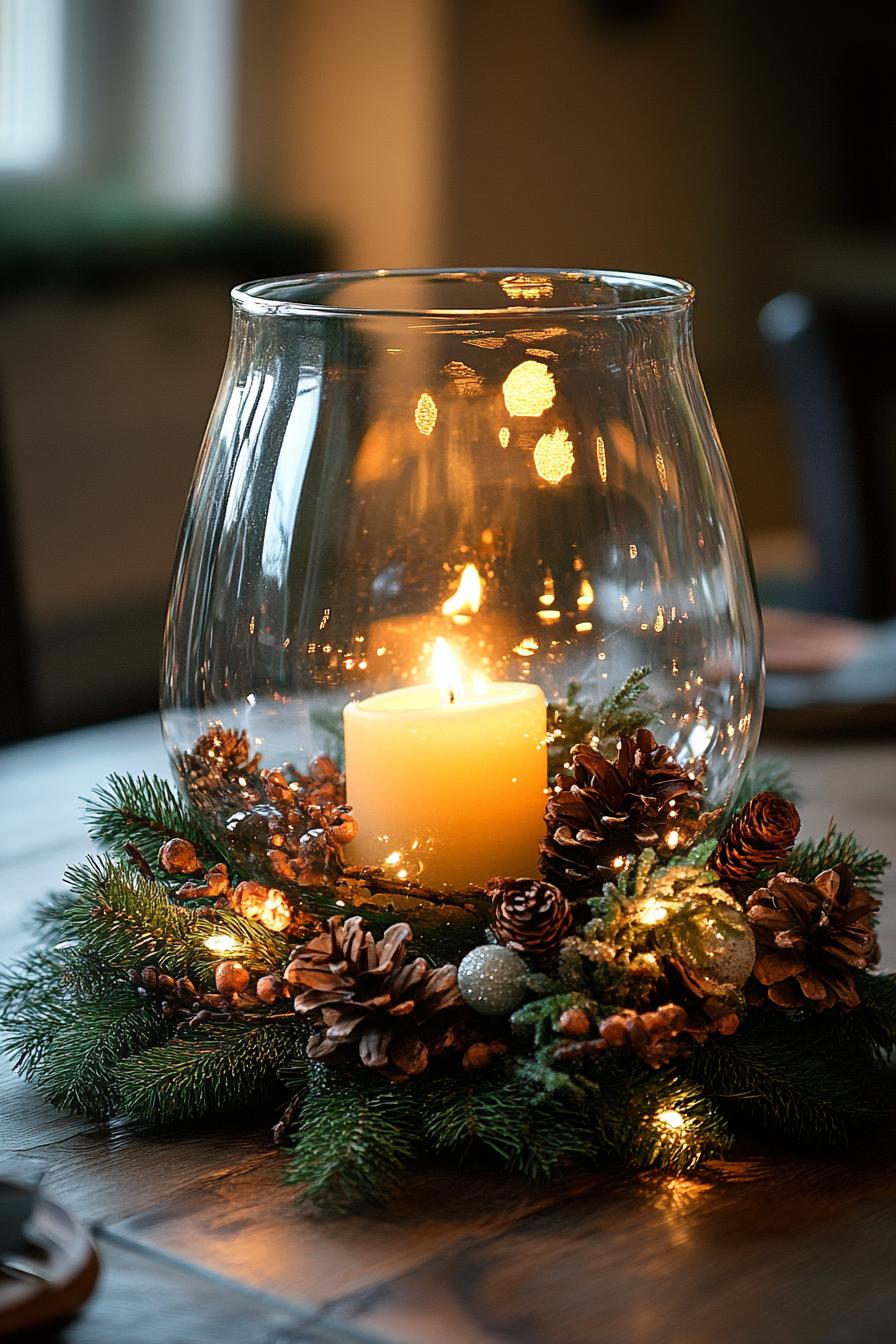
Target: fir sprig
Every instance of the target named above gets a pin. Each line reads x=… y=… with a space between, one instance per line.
x=353 y=1140
x=812 y=857
x=145 y=811
x=206 y=1070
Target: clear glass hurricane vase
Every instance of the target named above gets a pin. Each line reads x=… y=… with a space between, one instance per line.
x=428 y=504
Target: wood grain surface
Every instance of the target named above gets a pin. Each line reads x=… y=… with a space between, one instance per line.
x=201 y=1242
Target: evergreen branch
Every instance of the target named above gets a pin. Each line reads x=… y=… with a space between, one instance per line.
x=658 y=1118
x=206 y=1070
x=764 y=776
x=811 y=857
x=788 y=1076
x=354 y=1138
x=527 y=1133
x=621 y=712
x=71 y=1054
x=125 y=921
x=145 y=811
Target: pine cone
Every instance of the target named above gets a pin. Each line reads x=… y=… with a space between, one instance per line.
x=811 y=937
x=608 y=809
x=531 y=917
x=367 y=999
x=217 y=755
x=759 y=836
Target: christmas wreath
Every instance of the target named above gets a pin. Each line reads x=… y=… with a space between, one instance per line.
x=675 y=977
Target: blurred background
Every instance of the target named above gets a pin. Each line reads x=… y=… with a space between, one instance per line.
x=155 y=152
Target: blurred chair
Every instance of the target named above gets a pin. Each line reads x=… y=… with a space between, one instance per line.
x=834 y=366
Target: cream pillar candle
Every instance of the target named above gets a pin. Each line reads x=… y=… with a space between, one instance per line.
x=448 y=778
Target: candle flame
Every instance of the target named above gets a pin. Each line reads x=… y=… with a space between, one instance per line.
x=446 y=673
x=467 y=597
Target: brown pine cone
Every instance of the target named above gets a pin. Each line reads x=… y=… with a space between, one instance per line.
x=608 y=809
x=217 y=756
x=811 y=938
x=759 y=836
x=533 y=918
x=368 y=1001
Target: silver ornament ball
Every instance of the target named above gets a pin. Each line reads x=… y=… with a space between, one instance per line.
x=492 y=980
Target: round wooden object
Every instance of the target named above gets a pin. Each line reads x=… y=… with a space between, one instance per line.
x=65 y=1265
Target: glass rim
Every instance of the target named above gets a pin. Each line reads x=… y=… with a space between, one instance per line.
x=257 y=298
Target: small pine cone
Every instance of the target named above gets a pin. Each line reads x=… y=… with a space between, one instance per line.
x=651 y=1036
x=367 y=1001
x=606 y=810
x=759 y=836
x=530 y=917
x=811 y=938
x=179 y=856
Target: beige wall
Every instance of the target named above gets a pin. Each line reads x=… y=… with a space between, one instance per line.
x=344 y=104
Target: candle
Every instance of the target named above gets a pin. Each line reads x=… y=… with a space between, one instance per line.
x=448 y=780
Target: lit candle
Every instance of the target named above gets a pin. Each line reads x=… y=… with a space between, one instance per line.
x=448 y=776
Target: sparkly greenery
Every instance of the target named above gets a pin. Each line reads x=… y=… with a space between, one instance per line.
x=91 y=1044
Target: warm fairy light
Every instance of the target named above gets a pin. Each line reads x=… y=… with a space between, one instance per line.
x=671 y=1119
x=467 y=597
x=391 y=859
x=585 y=597
x=583 y=627
x=602 y=459
x=549 y=617
x=661 y=469
x=446 y=673
x=672 y=839
x=426 y=414
x=619 y=862
x=547 y=597
x=660 y=622
x=527 y=286
x=553 y=456
x=221 y=942
x=503 y=436
x=529 y=389
x=526 y=647
x=652 y=912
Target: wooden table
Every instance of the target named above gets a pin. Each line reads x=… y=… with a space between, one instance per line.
x=201 y=1242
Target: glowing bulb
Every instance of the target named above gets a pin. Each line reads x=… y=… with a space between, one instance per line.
x=446 y=671
x=391 y=859
x=547 y=597
x=672 y=838
x=503 y=436
x=467 y=597
x=619 y=862
x=671 y=1119
x=652 y=912
x=221 y=942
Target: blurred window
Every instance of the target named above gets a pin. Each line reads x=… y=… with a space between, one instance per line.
x=32 y=84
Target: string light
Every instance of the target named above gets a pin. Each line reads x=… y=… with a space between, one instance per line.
x=652 y=912
x=221 y=943
x=426 y=414
x=671 y=1119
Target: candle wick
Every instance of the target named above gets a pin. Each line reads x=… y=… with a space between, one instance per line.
x=451 y=697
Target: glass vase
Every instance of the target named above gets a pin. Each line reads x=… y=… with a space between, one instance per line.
x=437 y=518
